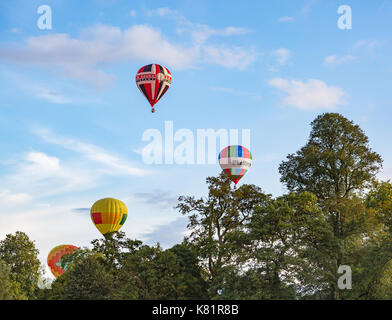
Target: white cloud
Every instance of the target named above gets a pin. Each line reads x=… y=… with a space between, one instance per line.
x=84 y=56
x=132 y=13
x=282 y=56
x=144 y=42
x=41 y=161
x=311 y=95
x=334 y=59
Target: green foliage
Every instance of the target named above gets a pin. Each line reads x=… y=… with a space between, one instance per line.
x=115 y=247
x=21 y=256
x=153 y=273
x=87 y=278
x=288 y=238
x=335 y=162
x=4 y=281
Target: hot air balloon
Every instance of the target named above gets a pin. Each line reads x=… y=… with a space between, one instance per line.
x=235 y=161
x=108 y=215
x=54 y=258
x=153 y=81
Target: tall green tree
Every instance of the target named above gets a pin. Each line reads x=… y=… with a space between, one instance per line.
x=336 y=165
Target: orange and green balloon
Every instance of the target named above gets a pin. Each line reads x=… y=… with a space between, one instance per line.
x=108 y=215
x=54 y=258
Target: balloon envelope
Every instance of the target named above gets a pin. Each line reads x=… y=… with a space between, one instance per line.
x=54 y=258
x=235 y=161
x=108 y=215
x=153 y=81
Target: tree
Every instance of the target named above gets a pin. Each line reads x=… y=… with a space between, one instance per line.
x=216 y=221
x=21 y=256
x=336 y=165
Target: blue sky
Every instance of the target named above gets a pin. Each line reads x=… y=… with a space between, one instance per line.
x=72 y=118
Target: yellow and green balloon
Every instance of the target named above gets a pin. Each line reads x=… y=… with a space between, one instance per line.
x=108 y=215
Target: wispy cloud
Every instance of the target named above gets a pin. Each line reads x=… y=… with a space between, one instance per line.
x=311 y=95
x=113 y=163
x=52 y=96
x=53 y=92
x=335 y=59
x=367 y=44
x=307 y=8
x=286 y=19
x=231 y=58
x=282 y=56
x=39 y=174
x=199 y=32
